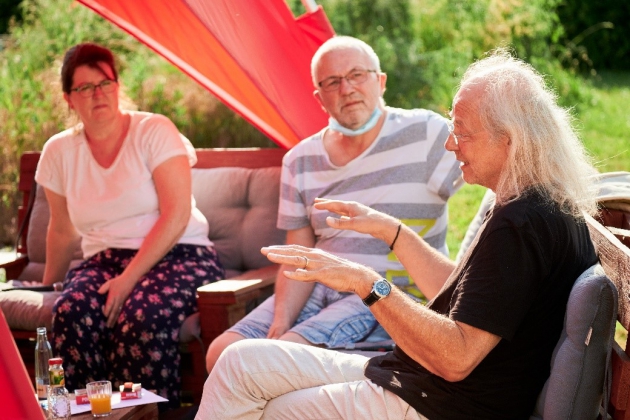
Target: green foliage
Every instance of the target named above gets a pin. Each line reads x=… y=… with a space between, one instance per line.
x=605 y=125
x=9 y=9
x=462 y=207
x=34 y=107
x=424 y=47
x=596 y=33
x=388 y=27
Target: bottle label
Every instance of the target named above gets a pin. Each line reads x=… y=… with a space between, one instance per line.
x=42 y=391
x=57 y=377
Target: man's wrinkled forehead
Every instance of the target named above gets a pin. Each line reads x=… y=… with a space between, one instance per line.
x=470 y=93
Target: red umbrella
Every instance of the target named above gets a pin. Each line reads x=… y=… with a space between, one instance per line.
x=251 y=54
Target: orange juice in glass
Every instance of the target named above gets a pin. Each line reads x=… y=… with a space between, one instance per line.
x=100 y=396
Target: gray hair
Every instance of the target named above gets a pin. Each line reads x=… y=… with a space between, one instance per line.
x=545 y=152
x=343 y=43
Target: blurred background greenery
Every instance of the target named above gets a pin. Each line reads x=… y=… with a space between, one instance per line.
x=424 y=46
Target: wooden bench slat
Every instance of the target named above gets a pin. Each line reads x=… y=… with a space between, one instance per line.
x=615 y=259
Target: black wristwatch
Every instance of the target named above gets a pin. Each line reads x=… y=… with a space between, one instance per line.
x=380 y=290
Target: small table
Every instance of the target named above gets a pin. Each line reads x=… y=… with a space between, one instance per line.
x=136 y=412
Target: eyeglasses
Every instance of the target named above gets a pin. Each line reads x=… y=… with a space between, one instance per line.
x=355 y=77
x=88 y=89
x=460 y=138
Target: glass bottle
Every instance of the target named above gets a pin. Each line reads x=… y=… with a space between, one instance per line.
x=43 y=353
x=58 y=398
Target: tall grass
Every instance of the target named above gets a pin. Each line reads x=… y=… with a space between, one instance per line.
x=605 y=125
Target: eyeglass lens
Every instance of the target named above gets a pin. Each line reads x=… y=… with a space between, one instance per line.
x=451 y=131
x=88 y=89
x=355 y=77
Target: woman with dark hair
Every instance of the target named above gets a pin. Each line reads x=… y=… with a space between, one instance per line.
x=121 y=180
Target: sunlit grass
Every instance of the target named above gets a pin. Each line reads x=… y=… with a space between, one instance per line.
x=606 y=122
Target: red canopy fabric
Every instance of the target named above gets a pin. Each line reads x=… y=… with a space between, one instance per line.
x=251 y=54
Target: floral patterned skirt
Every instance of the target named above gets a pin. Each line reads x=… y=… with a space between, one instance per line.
x=143 y=346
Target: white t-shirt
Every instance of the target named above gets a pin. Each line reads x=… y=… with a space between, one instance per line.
x=116 y=207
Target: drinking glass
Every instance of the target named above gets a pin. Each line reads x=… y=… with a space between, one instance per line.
x=100 y=396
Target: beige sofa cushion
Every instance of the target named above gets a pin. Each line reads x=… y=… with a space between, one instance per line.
x=36 y=240
x=241 y=206
x=37 y=227
x=27 y=309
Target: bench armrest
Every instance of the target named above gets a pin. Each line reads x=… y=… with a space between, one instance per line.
x=223 y=303
x=14 y=268
x=622 y=234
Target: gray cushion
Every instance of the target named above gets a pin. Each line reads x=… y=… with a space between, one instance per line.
x=190 y=329
x=38 y=223
x=37 y=228
x=26 y=309
x=580 y=360
x=241 y=206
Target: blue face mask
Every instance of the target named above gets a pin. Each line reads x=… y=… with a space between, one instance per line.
x=370 y=124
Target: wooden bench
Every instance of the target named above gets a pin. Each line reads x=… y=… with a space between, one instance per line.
x=611 y=235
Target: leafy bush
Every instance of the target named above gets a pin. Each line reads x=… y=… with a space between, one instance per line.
x=423 y=46
x=597 y=33
x=9 y=9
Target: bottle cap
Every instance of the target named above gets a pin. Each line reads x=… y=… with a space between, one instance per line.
x=55 y=361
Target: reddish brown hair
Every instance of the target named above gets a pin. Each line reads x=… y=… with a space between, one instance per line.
x=86 y=54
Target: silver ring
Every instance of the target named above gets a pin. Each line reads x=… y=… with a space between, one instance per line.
x=305 y=263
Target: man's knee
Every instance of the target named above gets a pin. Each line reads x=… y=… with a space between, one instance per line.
x=218 y=345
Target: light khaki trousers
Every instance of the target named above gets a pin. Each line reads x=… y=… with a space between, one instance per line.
x=271 y=379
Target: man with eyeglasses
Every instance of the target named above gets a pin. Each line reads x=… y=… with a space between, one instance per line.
x=390 y=159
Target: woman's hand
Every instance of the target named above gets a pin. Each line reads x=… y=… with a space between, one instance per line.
x=173 y=187
x=118 y=290
x=277 y=329
x=317 y=265
x=360 y=218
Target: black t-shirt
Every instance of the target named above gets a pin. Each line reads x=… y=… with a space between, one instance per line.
x=513 y=282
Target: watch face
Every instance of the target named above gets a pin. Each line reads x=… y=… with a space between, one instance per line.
x=382 y=288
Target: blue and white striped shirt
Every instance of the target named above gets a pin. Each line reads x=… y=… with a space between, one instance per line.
x=406 y=172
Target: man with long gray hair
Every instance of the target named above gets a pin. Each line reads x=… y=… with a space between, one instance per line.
x=481 y=348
